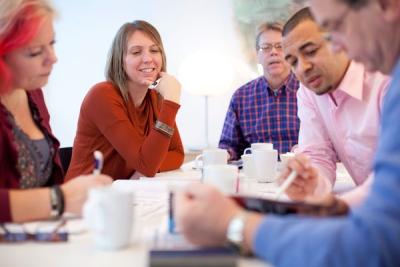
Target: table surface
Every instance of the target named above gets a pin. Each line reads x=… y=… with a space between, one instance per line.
x=150 y=213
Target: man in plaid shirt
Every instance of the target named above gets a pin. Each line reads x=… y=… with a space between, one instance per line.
x=264 y=109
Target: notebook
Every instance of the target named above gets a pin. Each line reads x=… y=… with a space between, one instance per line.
x=173 y=250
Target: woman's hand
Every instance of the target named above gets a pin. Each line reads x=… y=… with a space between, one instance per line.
x=76 y=190
x=169 y=87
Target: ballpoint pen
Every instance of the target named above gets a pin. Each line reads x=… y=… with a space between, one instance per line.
x=154 y=84
x=98 y=162
x=171 y=215
x=285 y=184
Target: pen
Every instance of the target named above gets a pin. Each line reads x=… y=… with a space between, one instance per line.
x=285 y=184
x=98 y=162
x=154 y=84
x=171 y=219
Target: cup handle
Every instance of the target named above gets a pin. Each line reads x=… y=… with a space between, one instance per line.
x=247 y=150
x=197 y=161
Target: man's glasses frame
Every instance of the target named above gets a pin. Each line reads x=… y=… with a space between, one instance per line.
x=267 y=47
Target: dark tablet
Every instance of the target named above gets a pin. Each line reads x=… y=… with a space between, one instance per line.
x=278 y=207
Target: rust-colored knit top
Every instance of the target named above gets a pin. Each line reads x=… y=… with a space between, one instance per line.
x=125 y=134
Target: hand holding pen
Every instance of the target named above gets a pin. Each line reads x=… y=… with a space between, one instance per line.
x=98 y=162
x=168 y=87
x=285 y=185
x=299 y=178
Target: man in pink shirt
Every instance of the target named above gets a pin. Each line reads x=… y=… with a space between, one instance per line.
x=339 y=106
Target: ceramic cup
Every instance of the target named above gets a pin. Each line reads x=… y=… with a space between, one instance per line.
x=108 y=213
x=224 y=177
x=254 y=146
x=212 y=156
x=265 y=164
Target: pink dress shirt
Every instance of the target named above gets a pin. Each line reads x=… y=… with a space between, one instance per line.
x=342 y=126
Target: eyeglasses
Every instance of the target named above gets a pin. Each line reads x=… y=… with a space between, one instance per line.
x=22 y=235
x=268 y=47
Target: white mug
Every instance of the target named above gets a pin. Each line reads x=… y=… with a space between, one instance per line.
x=212 y=156
x=265 y=164
x=254 y=146
x=248 y=166
x=224 y=177
x=108 y=212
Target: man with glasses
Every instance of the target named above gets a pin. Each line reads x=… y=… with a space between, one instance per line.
x=370 y=234
x=264 y=109
x=339 y=106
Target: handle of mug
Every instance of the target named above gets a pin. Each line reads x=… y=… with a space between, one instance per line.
x=247 y=150
x=196 y=165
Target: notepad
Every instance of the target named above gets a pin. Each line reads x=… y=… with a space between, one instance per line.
x=173 y=250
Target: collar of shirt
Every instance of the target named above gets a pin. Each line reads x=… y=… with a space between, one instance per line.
x=352 y=83
x=290 y=84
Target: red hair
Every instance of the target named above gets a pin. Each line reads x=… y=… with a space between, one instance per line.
x=23 y=28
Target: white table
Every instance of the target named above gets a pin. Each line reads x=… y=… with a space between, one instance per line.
x=150 y=214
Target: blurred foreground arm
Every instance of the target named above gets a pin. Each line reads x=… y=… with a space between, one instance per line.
x=34 y=204
x=203 y=215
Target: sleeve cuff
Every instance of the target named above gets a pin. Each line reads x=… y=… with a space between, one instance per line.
x=168 y=112
x=5 y=212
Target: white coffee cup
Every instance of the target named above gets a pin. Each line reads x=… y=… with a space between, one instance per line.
x=248 y=166
x=254 y=146
x=212 y=156
x=224 y=177
x=108 y=213
x=265 y=164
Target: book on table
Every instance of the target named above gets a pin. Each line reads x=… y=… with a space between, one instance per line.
x=173 y=250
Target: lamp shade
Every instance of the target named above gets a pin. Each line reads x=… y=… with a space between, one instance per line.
x=206 y=72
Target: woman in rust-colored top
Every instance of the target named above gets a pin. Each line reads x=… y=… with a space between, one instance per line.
x=132 y=125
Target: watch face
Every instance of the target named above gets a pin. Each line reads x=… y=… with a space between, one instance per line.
x=236 y=228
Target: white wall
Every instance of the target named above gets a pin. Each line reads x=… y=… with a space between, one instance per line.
x=85 y=29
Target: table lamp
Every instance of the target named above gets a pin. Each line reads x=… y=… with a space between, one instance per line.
x=206 y=73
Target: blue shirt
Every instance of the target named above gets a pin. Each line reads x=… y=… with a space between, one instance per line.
x=258 y=114
x=368 y=236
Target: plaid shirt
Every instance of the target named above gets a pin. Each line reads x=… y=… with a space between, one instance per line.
x=257 y=114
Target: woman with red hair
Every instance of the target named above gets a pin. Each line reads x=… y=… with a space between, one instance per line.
x=30 y=169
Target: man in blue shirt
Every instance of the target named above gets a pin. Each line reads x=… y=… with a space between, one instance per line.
x=370 y=234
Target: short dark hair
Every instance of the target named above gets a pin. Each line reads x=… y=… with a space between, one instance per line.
x=298 y=17
x=355 y=4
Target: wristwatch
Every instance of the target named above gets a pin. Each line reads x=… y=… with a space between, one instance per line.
x=56 y=202
x=235 y=231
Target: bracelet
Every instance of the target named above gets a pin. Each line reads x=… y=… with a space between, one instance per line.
x=164 y=128
x=57 y=202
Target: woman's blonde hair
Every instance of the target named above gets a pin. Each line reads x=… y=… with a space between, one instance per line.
x=20 y=21
x=115 y=69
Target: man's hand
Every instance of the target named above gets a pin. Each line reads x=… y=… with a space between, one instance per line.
x=306 y=180
x=203 y=214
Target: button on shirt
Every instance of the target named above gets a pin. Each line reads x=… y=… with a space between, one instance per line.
x=342 y=125
x=368 y=235
x=258 y=114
